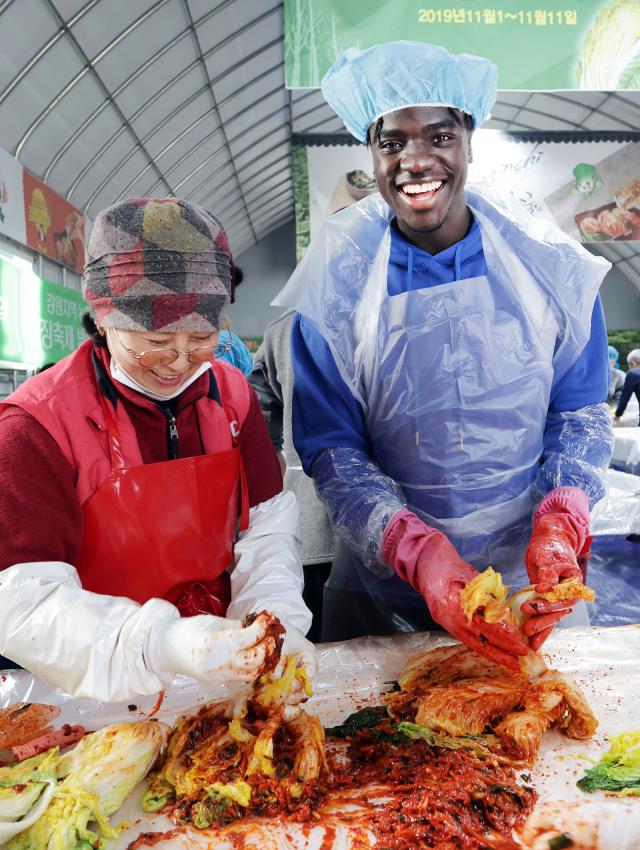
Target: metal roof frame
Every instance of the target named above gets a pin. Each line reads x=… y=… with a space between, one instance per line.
x=144 y=106
x=91 y=70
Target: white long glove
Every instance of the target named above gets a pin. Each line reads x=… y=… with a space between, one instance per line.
x=268 y=571
x=211 y=649
x=296 y=644
x=110 y=648
x=104 y=647
x=268 y=576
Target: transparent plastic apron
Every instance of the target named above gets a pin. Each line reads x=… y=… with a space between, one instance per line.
x=457 y=396
x=454 y=383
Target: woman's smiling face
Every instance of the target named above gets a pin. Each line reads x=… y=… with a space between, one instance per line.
x=165 y=379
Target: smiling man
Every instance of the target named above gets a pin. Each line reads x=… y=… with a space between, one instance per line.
x=450 y=368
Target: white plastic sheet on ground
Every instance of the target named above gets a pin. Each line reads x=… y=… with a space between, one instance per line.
x=604 y=662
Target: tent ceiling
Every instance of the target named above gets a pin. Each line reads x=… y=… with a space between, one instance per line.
x=105 y=99
x=625 y=257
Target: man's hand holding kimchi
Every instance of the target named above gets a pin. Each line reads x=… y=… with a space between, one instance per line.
x=560 y=535
x=428 y=561
x=485 y=596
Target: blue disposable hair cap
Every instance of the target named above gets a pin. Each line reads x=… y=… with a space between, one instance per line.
x=363 y=85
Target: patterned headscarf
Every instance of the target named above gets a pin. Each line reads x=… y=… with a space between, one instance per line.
x=157 y=264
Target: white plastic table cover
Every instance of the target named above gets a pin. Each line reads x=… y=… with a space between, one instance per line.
x=619 y=511
x=631 y=415
x=604 y=662
x=626 y=449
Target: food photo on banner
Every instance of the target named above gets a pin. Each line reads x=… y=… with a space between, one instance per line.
x=541 y=45
x=591 y=190
x=54 y=227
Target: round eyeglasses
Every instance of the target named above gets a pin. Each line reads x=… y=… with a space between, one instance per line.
x=165 y=356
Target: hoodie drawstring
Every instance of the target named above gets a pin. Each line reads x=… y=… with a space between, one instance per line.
x=457 y=261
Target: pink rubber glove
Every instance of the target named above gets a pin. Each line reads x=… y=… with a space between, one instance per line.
x=560 y=536
x=428 y=561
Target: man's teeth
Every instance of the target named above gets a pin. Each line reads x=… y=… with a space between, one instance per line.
x=420 y=188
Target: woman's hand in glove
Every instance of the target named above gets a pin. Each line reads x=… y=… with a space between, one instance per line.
x=430 y=563
x=210 y=649
x=305 y=652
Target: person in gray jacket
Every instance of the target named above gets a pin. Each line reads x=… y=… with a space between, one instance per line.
x=272 y=379
x=616 y=378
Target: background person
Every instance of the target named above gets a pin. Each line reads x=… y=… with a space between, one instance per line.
x=450 y=368
x=616 y=378
x=272 y=379
x=631 y=384
x=230 y=347
x=127 y=468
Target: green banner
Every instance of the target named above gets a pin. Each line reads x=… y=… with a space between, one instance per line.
x=536 y=44
x=40 y=322
x=253 y=343
x=301 y=195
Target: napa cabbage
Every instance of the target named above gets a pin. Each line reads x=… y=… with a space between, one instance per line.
x=610 y=56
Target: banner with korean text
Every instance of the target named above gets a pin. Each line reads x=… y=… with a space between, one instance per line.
x=40 y=322
x=537 y=45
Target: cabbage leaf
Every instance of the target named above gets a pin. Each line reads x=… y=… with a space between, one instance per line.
x=98 y=776
x=618 y=772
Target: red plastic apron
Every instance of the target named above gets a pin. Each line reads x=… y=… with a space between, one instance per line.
x=164 y=529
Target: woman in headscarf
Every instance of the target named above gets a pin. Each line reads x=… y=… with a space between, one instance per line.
x=139 y=482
